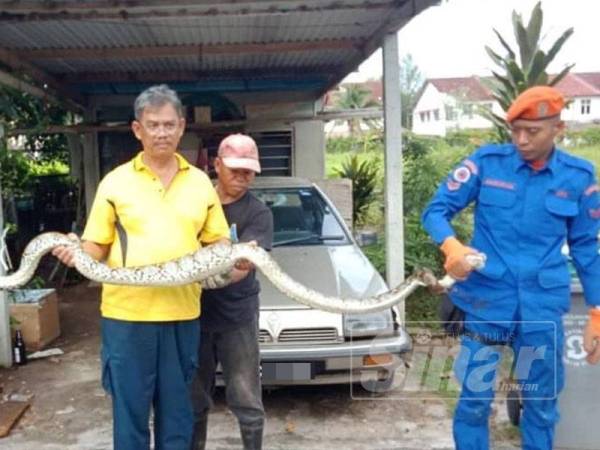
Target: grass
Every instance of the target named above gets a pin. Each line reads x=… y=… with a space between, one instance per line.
x=334 y=160
x=591 y=153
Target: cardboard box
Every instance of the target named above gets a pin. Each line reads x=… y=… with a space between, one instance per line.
x=36 y=310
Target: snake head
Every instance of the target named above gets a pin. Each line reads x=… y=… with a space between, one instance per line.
x=430 y=281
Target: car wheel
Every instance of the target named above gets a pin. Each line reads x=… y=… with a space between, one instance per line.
x=379 y=386
x=513 y=407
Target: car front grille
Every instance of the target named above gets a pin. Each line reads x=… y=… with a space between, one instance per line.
x=264 y=337
x=308 y=335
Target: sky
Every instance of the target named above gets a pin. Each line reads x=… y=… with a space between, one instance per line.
x=448 y=40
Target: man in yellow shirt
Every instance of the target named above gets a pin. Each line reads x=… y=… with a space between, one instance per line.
x=151 y=209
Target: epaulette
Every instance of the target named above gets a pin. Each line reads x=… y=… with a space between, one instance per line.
x=577 y=162
x=494 y=149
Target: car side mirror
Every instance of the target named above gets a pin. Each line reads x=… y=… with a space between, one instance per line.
x=365 y=237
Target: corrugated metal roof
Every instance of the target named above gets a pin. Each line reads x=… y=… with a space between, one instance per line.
x=338 y=35
x=579 y=85
x=183 y=31
x=469 y=88
x=212 y=63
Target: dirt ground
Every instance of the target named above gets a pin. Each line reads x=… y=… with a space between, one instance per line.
x=70 y=411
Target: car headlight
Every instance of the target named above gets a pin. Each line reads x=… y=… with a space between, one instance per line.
x=371 y=324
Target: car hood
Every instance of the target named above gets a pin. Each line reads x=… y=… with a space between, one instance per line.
x=338 y=271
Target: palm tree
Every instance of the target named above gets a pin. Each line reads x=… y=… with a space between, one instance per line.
x=411 y=81
x=354 y=96
x=527 y=69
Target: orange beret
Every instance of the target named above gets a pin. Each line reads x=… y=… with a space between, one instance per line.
x=536 y=103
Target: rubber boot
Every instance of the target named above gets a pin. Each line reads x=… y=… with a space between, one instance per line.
x=252 y=437
x=199 y=437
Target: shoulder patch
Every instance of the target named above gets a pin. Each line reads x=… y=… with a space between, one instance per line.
x=471 y=166
x=578 y=163
x=462 y=174
x=453 y=185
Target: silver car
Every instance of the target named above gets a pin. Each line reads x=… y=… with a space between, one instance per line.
x=301 y=345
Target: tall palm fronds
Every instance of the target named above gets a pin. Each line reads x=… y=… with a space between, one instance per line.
x=523 y=69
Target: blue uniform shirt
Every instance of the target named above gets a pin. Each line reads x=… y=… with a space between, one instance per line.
x=522 y=219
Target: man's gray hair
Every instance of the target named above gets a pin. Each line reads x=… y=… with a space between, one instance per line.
x=155 y=97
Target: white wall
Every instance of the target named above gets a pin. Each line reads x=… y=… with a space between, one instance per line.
x=574 y=112
x=473 y=120
x=425 y=120
x=309 y=149
x=430 y=116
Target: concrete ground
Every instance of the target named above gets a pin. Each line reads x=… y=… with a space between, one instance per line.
x=70 y=411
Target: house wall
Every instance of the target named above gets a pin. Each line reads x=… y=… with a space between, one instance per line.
x=425 y=119
x=577 y=110
x=309 y=149
x=308 y=140
x=436 y=113
x=466 y=116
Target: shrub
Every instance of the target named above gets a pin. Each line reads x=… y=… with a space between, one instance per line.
x=414 y=146
x=470 y=138
x=15 y=176
x=587 y=136
x=364 y=175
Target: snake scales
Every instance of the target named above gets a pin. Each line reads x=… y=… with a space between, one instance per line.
x=205 y=263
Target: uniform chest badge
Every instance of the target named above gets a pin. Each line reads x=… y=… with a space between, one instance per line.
x=594 y=213
x=561 y=193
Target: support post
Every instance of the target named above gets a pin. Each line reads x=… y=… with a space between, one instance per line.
x=5 y=336
x=91 y=162
x=394 y=227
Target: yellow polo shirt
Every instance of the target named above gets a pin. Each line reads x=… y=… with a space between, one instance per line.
x=144 y=223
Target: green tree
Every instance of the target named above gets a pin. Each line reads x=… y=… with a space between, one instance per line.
x=411 y=81
x=524 y=68
x=15 y=175
x=354 y=96
x=21 y=110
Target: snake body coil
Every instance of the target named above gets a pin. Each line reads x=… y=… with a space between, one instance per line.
x=198 y=266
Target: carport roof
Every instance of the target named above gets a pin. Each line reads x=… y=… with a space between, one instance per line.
x=77 y=48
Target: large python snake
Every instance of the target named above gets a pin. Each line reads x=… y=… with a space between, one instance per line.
x=208 y=262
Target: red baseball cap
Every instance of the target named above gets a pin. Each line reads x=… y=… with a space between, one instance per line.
x=238 y=151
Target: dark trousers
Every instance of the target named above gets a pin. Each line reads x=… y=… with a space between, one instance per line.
x=150 y=365
x=237 y=351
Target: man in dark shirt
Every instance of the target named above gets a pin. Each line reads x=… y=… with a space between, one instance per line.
x=229 y=318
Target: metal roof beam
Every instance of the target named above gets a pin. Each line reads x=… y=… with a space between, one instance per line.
x=17 y=64
x=186 y=50
x=16 y=83
x=195 y=76
x=366 y=113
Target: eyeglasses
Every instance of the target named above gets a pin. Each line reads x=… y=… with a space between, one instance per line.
x=154 y=128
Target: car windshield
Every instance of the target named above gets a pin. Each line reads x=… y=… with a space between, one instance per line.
x=301 y=217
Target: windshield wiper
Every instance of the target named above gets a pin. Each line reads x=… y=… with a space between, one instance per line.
x=310 y=237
